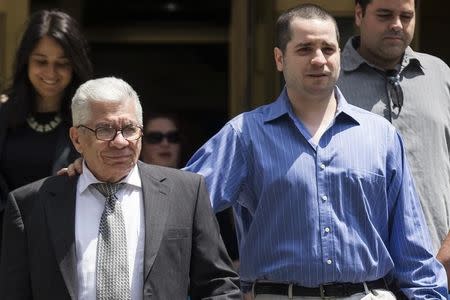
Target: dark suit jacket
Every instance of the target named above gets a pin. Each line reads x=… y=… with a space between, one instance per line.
x=64 y=154
x=183 y=248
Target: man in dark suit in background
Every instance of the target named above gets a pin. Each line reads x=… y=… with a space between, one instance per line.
x=120 y=230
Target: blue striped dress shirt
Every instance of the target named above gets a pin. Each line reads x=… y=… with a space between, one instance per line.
x=344 y=210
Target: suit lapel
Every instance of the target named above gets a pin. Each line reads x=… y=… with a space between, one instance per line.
x=59 y=199
x=156 y=208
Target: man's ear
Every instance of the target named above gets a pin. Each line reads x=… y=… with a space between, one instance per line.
x=75 y=137
x=278 y=56
x=359 y=14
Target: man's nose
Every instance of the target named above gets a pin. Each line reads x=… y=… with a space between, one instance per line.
x=119 y=141
x=319 y=58
x=396 y=24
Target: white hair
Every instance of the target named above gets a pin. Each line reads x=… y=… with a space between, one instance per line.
x=106 y=89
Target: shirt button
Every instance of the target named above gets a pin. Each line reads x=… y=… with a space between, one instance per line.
x=329 y=262
x=322 y=166
x=324 y=198
x=327 y=229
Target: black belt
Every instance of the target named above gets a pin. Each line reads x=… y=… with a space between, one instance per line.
x=326 y=290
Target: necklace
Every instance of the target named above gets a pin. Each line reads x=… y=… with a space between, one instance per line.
x=46 y=127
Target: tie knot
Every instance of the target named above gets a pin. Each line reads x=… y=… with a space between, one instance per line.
x=108 y=189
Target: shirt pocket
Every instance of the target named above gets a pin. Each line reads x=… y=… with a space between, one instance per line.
x=366 y=176
x=366 y=184
x=367 y=188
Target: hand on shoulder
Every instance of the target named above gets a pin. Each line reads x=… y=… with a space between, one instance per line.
x=73 y=169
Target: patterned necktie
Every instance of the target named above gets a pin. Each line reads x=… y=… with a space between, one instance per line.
x=112 y=258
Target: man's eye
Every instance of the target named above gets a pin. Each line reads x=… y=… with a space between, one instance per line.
x=328 y=50
x=406 y=17
x=384 y=16
x=105 y=129
x=303 y=50
x=130 y=130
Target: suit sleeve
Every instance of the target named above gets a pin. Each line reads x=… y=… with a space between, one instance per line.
x=14 y=268
x=211 y=273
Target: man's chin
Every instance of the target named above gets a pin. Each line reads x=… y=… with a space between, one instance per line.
x=109 y=173
x=324 y=88
x=118 y=165
x=393 y=51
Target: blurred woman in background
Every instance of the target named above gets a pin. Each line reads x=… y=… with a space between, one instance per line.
x=161 y=143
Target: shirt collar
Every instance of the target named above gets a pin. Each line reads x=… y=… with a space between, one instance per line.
x=410 y=58
x=344 y=109
x=351 y=59
x=87 y=178
x=282 y=106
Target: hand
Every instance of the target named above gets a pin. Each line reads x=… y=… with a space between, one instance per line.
x=73 y=169
x=443 y=255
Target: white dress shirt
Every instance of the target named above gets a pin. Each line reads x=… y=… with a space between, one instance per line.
x=89 y=208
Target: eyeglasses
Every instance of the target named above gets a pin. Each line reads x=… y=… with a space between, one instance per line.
x=156 y=137
x=108 y=133
x=394 y=90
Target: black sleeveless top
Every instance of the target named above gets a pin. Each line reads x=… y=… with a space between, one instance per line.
x=28 y=155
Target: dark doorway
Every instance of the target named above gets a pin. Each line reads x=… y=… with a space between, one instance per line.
x=190 y=80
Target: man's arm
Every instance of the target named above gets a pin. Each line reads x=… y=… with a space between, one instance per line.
x=212 y=276
x=14 y=268
x=417 y=272
x=443 y=255
x=222 y=161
